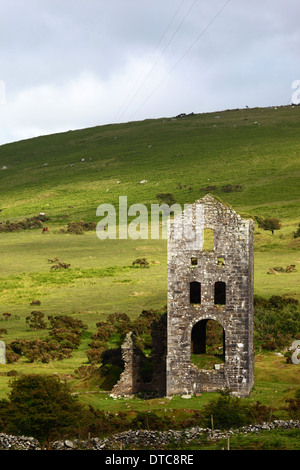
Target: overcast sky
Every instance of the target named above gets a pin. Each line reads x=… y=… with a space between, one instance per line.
x=71 y=64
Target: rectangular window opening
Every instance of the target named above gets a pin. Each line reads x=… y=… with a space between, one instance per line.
x=220 y=293
x=195 y=292
x=221 y=261
x=208 y=239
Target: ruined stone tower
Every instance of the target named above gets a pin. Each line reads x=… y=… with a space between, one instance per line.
x=210 y=278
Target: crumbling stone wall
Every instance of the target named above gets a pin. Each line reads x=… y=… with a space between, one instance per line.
x=131 y=380
x=231 y=262
x=158 y=356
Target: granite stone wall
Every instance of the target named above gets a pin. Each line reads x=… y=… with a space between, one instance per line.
x=224 y=293
x=206 y=281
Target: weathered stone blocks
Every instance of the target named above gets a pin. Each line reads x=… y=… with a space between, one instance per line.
x=224 y=276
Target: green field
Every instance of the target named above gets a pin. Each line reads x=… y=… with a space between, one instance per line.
x=69 y=175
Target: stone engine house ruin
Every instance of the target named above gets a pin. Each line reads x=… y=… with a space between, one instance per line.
x=210 y=282
x=210 y=278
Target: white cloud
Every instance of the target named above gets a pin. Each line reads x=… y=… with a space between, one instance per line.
x=75 y=64
x=84 y=101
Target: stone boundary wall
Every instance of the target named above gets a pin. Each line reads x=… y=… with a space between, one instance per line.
x=151 y=439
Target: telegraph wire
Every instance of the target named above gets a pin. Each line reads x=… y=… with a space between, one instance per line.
x=182 y=57
x=152 y=55
x=162 y=53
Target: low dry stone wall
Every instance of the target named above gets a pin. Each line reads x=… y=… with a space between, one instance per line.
x=156 y=439
x=8 y=442
x=146 y=439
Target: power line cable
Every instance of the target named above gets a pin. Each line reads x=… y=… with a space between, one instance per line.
x=182 y=57
x=152 y=55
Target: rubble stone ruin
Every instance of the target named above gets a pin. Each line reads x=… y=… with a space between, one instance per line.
x=210 y=299
x=210 y=279
x=2 y=353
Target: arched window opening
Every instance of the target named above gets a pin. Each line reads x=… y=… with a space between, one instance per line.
x=195 y=292
x=208 y=345
x=220 y=293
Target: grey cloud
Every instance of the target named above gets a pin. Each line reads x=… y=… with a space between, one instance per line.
x=247 y=54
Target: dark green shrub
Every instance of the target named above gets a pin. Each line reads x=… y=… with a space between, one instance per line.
x=39 y=406
x=229 y=188
x=166 y=198
x=231 y=412
x=296 y=234
x=142 y=262
x=36 y=320
x=293 y=408
x=276 y=322
x=150 y=421
x=94 y=355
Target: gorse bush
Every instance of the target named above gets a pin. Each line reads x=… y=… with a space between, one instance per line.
x=64 y=336
x=151 y=421
x=79 y=227
x=231 y=412
x=25 y=224
x=116 y=327
x=276 y=322
x=36 y=320
x=293 y=407
x=296 y=234
x=141 y=262
x=166 y=198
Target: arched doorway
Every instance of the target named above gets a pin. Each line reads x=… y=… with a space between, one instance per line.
x=207 y=344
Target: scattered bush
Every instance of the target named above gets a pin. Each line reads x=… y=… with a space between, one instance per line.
x=11 y=356
x=84 y=372
x=59 y=265
x=231 y=412
x=94 y=355
x=26 y=224
x=276 y=322
x=289 y=269
x=293 y=407
x=67 y=330
x=36 y=320
x=229 y=188
x=6 y=315
x=79 y=227
x=297 y=233
x=166 y=198
x=65 y=336
x=209 y=188
x=150 y=421
x=142 y=262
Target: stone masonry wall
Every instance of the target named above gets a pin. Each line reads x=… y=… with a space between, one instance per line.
x=234 y=246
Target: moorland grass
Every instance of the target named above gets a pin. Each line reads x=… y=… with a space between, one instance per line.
x=68 y=175
x=255 y=148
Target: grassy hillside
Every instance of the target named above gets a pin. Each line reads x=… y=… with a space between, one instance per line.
x=256 y=148
x=68 y=175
